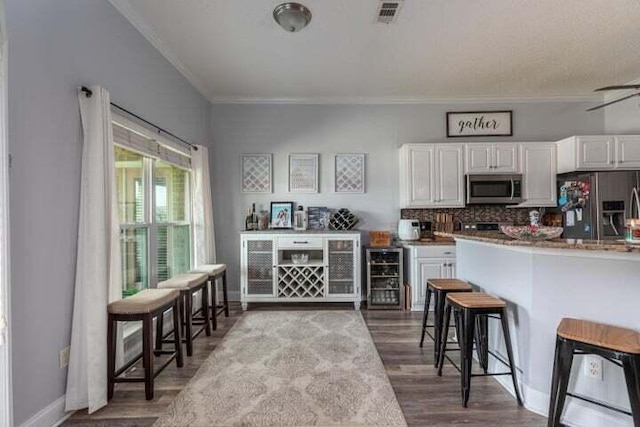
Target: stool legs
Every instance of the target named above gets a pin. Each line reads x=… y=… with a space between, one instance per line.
x=447 y=320
x=560 y=381
x=425 y=317
x=467 y=326
x=205 y=309
x=177 y=339
x=507 y=342
x=214 y=303
x=147 y=356
x=225 y=296
x=631 y=367
x=111 y=355
x=188 y=321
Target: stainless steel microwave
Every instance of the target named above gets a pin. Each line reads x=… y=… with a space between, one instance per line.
x=494 y=189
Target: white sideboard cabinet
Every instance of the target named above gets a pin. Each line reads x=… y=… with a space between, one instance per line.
x=330 y=270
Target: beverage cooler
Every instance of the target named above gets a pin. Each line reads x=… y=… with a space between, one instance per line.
x=384 y=278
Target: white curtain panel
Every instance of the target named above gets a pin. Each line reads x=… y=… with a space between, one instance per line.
x=5 y=371
x=98 y=280
x=203 y=234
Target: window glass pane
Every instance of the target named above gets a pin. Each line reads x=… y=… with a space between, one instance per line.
x=172 y=193
x=130 y=186
x=134 y=248
x=173 y=254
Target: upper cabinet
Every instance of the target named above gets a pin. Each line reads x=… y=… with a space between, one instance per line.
x=598 y=153
x=538 y=161
x=491 y=158
x=432 y=175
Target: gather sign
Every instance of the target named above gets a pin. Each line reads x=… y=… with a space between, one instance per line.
x=479 y=123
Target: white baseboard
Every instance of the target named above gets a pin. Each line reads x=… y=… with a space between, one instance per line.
x=53 y=415
x=576 y=413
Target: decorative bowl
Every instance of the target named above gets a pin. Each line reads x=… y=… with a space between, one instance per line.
x=531 y=233
x=299 y=258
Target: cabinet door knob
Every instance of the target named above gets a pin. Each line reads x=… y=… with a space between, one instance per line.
x=448 y=253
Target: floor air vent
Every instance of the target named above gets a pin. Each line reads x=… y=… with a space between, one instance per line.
x=388 y=11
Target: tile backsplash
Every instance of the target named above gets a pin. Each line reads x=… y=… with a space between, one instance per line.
x=470 y=214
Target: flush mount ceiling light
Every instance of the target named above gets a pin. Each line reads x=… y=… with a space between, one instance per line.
x=292 y=16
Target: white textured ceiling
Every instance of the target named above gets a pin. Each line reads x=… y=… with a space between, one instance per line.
x=437 y=49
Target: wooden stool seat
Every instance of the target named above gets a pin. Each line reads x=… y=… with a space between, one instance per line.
x=143 y=306
x=620 y=346
x=450 y=285
x=601 y=335
x=188 y=284
x=215 y=272
x=475 y=300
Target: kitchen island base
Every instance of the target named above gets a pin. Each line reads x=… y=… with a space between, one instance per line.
x=541 y=286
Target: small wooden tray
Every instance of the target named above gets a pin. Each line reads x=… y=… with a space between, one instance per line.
x=379 y=238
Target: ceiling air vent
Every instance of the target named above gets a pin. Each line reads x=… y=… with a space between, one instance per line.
x=388 y=11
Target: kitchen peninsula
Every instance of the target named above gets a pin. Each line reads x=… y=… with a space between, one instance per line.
x=543 y=282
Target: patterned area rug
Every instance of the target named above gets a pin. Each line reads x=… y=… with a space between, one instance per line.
x=290 y=368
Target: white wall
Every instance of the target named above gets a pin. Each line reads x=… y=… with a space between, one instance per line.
x=377 y=130
x=55 y=46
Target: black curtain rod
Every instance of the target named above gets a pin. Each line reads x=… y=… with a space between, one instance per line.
x=88 y=92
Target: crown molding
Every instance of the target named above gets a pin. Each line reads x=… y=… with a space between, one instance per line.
x=124 y=7
x=405 y=100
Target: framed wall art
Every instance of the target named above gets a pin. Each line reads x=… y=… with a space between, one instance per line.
x=303 y=173
x=479 y=123
x=256 y=173
x=281 y=214
x=349 y=173
x=318 y=217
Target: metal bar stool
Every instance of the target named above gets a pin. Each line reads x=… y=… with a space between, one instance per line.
x=143 y=306
x=188 y=284
x=618 y=345
x=439 y=288
x=215 y=272
x=468 y=306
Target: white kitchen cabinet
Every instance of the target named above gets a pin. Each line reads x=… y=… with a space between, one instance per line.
x=431 y=175
x=331 y=273
x=538 y=161
x=628 y=151
x=491 y=158
x=423 y=262
x=599 y=153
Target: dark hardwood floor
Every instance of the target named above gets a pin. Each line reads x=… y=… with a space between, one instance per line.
x=425 y=398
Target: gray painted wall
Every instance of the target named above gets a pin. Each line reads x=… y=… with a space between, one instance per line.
x=56 y=46
x=377 y=130
x=623 y=117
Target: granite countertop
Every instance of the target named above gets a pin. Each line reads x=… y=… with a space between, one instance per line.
x=437 y=241
x=290 y=231
x=502 y=239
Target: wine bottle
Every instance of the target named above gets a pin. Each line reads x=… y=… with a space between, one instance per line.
x=248 y=222
x=254 y=217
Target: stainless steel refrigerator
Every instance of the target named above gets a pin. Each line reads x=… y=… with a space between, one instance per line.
x=595 y=205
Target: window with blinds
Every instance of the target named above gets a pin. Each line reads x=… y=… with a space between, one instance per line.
x=154 y=206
